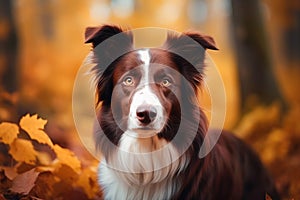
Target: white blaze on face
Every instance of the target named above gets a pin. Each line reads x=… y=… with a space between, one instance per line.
x=143 y=157
x=145 y=96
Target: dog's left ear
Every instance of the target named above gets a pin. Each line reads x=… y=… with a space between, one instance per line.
x=189 y=50
x=205 y=41
x=189 y=42
x=190 y=46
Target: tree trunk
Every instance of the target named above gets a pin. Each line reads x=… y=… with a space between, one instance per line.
x=8 y=48
x=258 y=84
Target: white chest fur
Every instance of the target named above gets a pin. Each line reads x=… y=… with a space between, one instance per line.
x=115 y=188
x=134 y=172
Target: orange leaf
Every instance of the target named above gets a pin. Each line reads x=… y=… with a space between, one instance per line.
x=66 y=173
x=22 y=151
x=44 y=158
x=34 y=126
x=67 y=157
x=88 y=182
x=8 y=132
x=9 y=172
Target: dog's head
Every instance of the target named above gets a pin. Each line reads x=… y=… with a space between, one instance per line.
x=146 y=94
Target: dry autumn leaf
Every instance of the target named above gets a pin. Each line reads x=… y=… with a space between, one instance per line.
x=88 y=181
x=44 y=158
x=9 y=172
x=8 y=132
x=22 y=151
x=66 y=173
x=67 y=157
x=24 y=182
x=44 y=185
x=40 y=169
x=34 y=126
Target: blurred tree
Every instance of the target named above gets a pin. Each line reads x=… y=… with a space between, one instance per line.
x=284 y=27
x=287 y=22
x=8 y=47
x=258 y=84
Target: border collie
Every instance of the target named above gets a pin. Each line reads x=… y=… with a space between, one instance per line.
x=150 y=126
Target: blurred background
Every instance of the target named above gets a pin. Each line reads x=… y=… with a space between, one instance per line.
x=42 y=47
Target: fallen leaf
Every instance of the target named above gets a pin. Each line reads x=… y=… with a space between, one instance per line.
x=8 y=132
x=66 y=173
x=22 y=151
x=9 y=172
x=45 y=153
x=44 y=185
x=62 y=190
x=34 y=126
x=88 y=182
x=23 y=183
x=45 y=168
x=44 y=158
x=32 y=122
x=67 y=157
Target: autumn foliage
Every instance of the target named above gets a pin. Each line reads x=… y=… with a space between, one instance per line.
x=32 y=167
x=41 y=50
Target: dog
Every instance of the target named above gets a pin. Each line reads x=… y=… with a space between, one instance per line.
x=150 y=127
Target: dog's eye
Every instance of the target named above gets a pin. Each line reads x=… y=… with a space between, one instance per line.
x=128 y=81
x=166 y=82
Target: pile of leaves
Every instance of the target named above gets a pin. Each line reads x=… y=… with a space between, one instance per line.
x=32 y=167
x=275 y=135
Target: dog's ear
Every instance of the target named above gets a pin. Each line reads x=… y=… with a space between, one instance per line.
x=189 y=50
x=109 y=43
x=96 y=35
x=205 y=41
x=189 y=44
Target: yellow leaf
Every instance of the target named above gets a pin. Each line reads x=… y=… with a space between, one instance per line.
x=45 y=168
x=8 y=132
x=22 y=151
x=44 y=158
x=67 y=157
x=34 y=127
x=88 y=181
x=32 y=122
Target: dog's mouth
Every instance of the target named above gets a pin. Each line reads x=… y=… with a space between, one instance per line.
x=142 y=132
x=145 y=129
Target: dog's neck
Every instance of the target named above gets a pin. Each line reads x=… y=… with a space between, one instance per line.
x=115 y=188
x=142 y=168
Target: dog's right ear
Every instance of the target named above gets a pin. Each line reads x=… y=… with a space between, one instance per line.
x=96 y=35
x=109 y=43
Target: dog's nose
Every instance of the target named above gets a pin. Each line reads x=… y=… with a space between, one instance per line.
x=146 y=114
